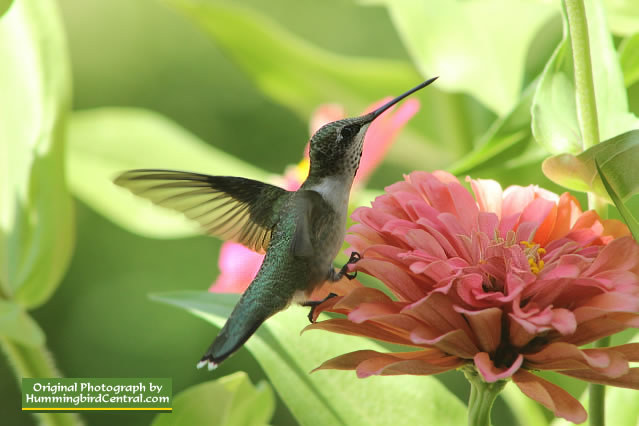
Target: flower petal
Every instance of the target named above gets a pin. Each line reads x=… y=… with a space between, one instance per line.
x=366 y=329
x=564 y=356
x=629 y=380
x=369 y=362
x=630 y=351
x=488 y=194
x=341 y=288
x=621 y=254
x=595 y=329
x=437 y=312
x=398 y=281
x=490 y=373
x=454 y=342
x=348 y=361
x=388 y=367
x=486 y=326
x=551 y=396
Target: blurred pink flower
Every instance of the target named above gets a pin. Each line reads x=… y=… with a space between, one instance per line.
x=510 y=282
x=239 y=265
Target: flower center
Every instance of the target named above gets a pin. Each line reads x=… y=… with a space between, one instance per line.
x=533 y=252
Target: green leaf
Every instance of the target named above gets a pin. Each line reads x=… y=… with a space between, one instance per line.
x=554 y=112
x=301 y=76
x=632 y=223
x=478 y=47
x=4 y=6
x=507 y=134
x=17 y=325
x=629 y=59
x=623 y=16
x=36 y=214
x=291 y=70
x=105 y=142
x=228 y=401
x=327 y=397
x=617 y=158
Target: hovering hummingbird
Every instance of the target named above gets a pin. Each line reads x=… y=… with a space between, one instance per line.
x=301 y=231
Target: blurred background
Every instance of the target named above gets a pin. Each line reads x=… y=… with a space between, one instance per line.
x=145 y=54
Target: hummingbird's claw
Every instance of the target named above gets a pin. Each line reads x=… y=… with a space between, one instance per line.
x=355 y=257
x=315 y=303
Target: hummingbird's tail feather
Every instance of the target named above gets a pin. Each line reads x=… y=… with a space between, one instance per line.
x=254 y=307
x=227 y=342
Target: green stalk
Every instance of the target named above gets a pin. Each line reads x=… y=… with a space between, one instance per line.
x=596 y=407
x=482 y=397
x=589 y=126
x=584 y=86
x=36 y=361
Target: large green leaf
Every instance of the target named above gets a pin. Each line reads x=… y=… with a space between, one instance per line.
x=228 y=401
x=618 y=158
x=36 y=215
x=478 y=47
x=290 y=70
x=17 y=325
x=301 y=76
x=507 y=137
x=554 y=112
x=630 y=220
x=328 y=397
x=623 y=16
x=629 y=59
x=4 y=6
x=105 y=142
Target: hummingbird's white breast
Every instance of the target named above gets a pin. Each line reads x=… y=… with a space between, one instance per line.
x=335 y=192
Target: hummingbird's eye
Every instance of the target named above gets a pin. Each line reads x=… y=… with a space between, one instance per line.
x=348 y=132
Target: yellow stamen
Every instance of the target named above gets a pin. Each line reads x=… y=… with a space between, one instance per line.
x=533 y=253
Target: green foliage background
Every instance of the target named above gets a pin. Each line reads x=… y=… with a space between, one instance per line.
x=100 y=322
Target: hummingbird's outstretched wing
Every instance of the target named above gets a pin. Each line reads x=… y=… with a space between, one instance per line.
x=232 y=208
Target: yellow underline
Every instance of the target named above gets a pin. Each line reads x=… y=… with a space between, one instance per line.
x=96 y=409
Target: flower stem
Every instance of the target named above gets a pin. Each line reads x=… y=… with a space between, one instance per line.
x=584 y=86
x=482 y=397
x=36 y=361
x=589 y=126
x=596 y=412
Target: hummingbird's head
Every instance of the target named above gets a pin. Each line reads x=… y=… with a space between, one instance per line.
x=336 y=147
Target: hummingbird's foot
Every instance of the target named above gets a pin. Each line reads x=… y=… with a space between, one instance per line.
x=315 y=303
x=355 y=257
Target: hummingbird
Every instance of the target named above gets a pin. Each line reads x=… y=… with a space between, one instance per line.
x=301 y=231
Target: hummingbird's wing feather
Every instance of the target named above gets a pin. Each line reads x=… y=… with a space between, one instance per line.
x=232 y=208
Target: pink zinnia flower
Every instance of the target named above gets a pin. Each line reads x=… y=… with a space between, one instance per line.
x=510 y=282
x=239 y=265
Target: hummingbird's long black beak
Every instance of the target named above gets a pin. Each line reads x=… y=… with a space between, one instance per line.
x=373 y=115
